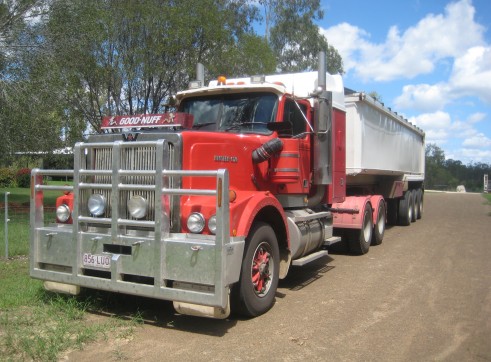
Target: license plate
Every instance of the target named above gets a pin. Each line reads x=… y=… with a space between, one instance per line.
x=96 y=260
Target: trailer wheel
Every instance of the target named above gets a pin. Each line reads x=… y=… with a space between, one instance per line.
x=419 y=204
x=406 y=209
x=415 y=206
x=254 y=294
x=359 y=242
x=379 y=227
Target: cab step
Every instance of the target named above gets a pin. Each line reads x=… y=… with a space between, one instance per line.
x=309 y=258
x=332 y=240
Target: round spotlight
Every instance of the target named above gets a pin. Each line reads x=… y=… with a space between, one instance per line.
x=137 y=206
x=196 y=223
x=63 y=213
x=212 y=224
x=97 y=204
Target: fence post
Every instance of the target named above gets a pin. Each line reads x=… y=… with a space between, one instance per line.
x=7 y=225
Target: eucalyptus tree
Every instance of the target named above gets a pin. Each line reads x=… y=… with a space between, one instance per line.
x=295 y=38
x=129 y=57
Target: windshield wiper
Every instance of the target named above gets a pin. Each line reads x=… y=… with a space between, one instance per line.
x=199 y=125
x=239 y=125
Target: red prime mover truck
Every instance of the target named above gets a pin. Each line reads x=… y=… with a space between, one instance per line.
x=210 y=206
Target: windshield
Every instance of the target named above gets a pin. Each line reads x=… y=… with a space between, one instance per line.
x=244 y=112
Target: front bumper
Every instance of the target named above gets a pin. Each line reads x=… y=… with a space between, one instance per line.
x=141 y=257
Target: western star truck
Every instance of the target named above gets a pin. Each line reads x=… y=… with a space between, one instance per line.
x=210 y=205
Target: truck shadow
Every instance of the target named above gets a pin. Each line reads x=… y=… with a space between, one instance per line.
x=148 y=311
x=161 y=313
x=301 y=276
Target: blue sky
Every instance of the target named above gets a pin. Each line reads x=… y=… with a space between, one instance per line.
x=430 y=60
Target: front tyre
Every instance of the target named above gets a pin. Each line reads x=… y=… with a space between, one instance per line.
x=254 y=294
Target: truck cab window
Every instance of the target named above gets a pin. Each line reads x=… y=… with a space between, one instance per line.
x=244 y=112
x=294 y=117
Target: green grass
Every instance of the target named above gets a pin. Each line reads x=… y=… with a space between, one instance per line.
x=488 y=198
x=21 y=196
x=18 y=214
x=39 y=325
x=36 y=324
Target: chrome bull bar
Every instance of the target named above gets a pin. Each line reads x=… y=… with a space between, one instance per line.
x=158 y=263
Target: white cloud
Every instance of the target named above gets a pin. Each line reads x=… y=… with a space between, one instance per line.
x=423 y=97
x=471 y=74
x=474 y=155
x=442 y=130
x=437 y=120
x=476 y=117
x=478 y=141
x=449 y=49
x=413 y=52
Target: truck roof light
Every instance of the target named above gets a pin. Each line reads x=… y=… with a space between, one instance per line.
x=194 y=84
x=221 y=80
x=258 y=79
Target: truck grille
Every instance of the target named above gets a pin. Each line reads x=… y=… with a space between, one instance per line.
x=138 y=157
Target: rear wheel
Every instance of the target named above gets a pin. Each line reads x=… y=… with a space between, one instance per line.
x=419 y=205
x=379 y=227
x=415 y=206
x=254 y=294
x=359 y=242
x=406 y=209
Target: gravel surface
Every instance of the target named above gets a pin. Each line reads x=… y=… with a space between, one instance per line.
x=424 y=294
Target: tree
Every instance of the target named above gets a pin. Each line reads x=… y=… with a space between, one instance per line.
x=436 y=176
x=25 y=115
x=295 y=39
x=127 y=57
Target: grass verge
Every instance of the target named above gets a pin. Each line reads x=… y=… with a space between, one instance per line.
x=488 y=198
x=39 y=325
x=36 y=324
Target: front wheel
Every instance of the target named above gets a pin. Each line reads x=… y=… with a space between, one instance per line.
x=254 y=294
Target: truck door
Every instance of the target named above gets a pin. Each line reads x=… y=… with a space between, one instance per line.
x=291 y=168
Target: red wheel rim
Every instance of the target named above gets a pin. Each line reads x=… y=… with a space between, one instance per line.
x=261 y=269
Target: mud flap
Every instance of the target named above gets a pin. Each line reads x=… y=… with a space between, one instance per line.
x=62 y=288
x=199 y=310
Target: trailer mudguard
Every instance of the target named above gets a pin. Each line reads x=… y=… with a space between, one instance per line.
x=349 y=214
x=375 y=200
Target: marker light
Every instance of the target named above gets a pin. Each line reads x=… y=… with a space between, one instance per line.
x=221 y=80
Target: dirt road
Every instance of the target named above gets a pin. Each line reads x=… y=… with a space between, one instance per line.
x=424 y=294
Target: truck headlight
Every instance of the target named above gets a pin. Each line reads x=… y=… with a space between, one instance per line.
x=96 y=204
x=196 y=222
x=137 y=206
x=212 y=224
x=63 y=213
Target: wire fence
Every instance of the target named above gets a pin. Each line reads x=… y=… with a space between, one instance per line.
x=14 y=228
